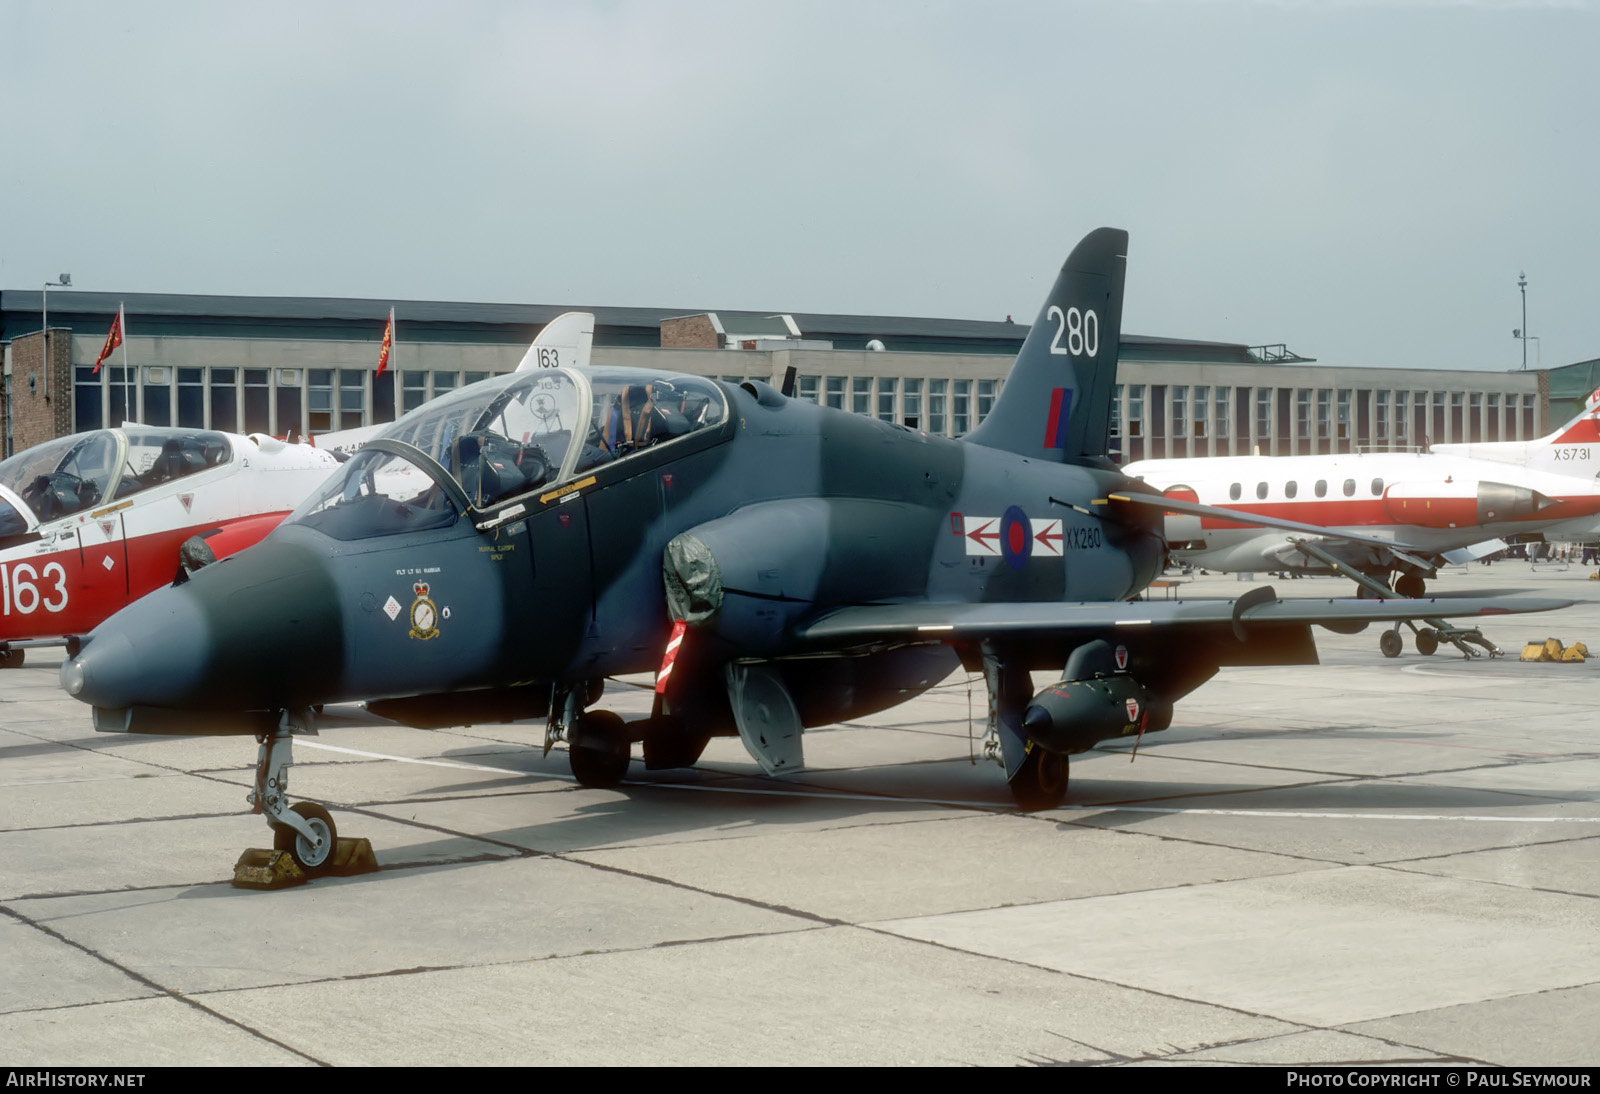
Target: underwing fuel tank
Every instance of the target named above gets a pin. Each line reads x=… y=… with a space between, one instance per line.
x=1075 y=715
x=1096 y=698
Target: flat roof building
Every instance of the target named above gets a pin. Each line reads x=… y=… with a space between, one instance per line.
x=303 y=365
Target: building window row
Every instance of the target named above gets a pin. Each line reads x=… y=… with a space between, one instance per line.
x=943 y=407
x=1147 y=420
x=274 y=401
x=1168 y=420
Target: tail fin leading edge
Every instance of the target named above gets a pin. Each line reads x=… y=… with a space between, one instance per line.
x=1056 y=403
x=1585 y=428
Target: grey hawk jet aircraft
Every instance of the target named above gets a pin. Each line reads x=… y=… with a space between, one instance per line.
x=501 y=551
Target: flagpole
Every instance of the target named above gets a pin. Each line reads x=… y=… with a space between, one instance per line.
x=127 y=374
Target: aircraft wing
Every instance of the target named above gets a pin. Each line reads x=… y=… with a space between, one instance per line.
x=899 y=624
x=1256 y=520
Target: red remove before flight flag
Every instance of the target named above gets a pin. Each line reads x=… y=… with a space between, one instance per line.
x=671 y=656
x=113 y=340
x=388 y=344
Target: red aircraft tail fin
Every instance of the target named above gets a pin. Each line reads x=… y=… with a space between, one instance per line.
x=1585 y=428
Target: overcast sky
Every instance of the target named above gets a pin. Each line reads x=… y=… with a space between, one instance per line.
x=1360 y=180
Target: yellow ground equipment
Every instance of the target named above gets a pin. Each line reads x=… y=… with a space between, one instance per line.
x=260 y=869
x=1551 y=649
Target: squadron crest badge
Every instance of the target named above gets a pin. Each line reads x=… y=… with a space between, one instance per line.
x=424 y=614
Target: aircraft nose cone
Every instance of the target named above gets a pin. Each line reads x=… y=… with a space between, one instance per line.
x=259 y=631
x=149 y=652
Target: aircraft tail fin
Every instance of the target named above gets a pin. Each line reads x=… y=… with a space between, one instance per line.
x=1573 y=449
x=1056 y=403
x=565 y=340
x=1584 y=429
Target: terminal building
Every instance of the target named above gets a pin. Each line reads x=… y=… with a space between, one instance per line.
x=300 y=366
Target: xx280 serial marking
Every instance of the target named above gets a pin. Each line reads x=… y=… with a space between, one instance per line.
x=1084 y=539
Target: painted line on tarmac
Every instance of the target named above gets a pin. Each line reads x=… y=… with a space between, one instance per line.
x=302 y=743
x=1421 y=670
x=1334 y=816
x=992 y=806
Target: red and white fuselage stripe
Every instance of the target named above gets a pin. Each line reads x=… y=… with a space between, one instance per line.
x=79 y=569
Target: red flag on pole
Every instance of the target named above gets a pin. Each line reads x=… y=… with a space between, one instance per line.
x=388 y=344
x=113 y=340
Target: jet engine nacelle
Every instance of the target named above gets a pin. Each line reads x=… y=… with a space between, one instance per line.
x=750 y=576
x=1075 y=715
x=1461 y=504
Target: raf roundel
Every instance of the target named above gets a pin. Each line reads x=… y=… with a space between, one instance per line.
x=1016 y=537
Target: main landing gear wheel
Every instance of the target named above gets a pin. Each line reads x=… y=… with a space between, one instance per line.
x=1391 y=645
x=1410 y=586
x=12 y=659
x=599 y=749
x=310 y=857
x=1041 y=781
x=1427 y=641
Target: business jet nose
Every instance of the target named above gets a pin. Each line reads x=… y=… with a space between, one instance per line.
x=259 y=631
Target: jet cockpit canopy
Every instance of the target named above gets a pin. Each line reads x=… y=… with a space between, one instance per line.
x=509 y=436
x=72 y=474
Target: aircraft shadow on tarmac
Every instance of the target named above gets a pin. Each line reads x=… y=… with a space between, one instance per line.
x=667 y=805
x=722 y=796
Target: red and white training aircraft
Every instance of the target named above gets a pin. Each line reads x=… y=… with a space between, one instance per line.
x=1385 y=513
x=92 y=522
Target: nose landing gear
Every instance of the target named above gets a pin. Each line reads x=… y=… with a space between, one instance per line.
x=305 y=841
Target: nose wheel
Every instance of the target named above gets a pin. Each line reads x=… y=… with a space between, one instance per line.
x=311 y=853
x=1390 y=643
